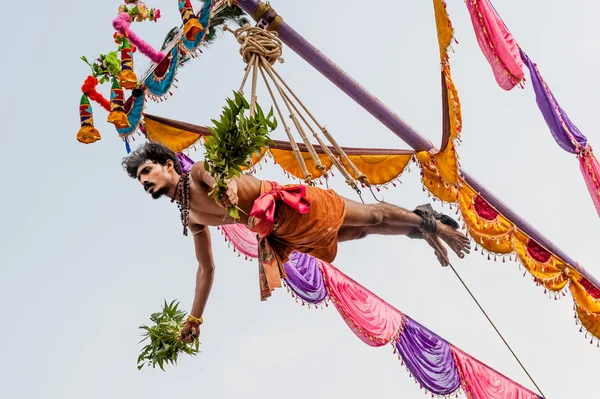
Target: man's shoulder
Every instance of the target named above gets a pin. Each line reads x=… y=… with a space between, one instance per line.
x=198 y=167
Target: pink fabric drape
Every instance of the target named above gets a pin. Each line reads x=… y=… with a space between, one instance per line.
x=497 y=44
x=373 y=320
x=590 y=169
x=242 y=239
x=481 y=382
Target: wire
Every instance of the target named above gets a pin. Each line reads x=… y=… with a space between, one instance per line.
x=440 y=251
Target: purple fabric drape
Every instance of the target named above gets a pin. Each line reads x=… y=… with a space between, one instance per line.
x=305 y=278
x=553 y=113
x=185 y=161
x=428 y=358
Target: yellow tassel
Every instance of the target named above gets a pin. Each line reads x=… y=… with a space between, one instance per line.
x=128 y=80
x=119 y=119
x=88 y=135
x=192 y=28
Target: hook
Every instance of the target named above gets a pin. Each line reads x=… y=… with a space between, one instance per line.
x=373 y=193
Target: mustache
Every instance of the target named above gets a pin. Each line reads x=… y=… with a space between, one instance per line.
x=147 y=186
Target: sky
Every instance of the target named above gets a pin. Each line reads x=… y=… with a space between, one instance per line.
x=86 y=256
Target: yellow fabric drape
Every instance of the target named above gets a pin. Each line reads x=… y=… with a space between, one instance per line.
x=379 y=169
x=175 y=138
x=494 y=235
x=550 y=273
x=433 y=182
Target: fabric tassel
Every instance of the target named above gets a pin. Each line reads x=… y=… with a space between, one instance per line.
x=89 y=89
x=590 y=169
x=127 y=146
x=87 y=133
x=117 y=115
x=191 y=26
x=127 y=79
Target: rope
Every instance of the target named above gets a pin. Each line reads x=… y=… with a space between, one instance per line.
x=440 y=251
x=260 y=50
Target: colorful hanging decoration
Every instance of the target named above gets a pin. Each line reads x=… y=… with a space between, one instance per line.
x=438 y=367
x=379 y=165
x=507 y=60
x=122 y=24
x=442 y=166
x=565 y=133
x=497 y=44
x=204 y=19
x=127 y=78
x=87 y=133
x=478 y=381
x=134 y=109
x=191 y=25
x=161 y=78
x=117 y=115
x=428 y=358
x=160 y=81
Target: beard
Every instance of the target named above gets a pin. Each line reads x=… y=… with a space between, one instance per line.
x=157 y=193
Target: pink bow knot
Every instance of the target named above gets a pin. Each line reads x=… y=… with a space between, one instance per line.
x=293 y=196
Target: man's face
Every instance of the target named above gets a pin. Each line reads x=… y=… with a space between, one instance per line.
x=154 y=178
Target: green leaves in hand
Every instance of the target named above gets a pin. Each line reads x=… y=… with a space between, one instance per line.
x=164 y=347
x=235 y=138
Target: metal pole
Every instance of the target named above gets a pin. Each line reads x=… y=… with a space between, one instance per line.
x=386 y=116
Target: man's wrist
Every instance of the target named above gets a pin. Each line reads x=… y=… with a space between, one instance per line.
x=194 y=320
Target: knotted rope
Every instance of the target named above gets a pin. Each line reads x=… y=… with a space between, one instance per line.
x=260 y=50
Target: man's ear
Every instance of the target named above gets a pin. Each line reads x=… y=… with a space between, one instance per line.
x=169 y=164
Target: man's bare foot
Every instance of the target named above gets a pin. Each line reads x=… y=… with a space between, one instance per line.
x=456 y=240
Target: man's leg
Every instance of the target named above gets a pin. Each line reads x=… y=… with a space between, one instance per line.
x=350 y=233
x=384 y=214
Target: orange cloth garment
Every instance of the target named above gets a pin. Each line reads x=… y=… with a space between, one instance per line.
x=307 y=220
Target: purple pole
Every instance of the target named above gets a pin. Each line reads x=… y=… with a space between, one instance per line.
x=386 y=116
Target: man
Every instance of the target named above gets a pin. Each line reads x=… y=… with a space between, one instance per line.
x=286 y=219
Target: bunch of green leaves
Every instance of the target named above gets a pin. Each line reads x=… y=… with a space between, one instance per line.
x=235 y=138
x=164 y=346
x=106 y=67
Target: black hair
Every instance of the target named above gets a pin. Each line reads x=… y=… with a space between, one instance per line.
x=153 y=151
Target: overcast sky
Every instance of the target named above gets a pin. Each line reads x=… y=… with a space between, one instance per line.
x=86 y=255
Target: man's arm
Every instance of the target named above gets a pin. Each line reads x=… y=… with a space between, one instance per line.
x=204 y=281
x=199 y=174
x=205 y=273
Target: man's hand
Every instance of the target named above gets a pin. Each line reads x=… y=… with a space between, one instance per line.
x=189 y=332
x=230 y=198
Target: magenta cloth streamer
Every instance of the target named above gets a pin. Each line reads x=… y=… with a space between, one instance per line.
x=305 y=278
x=481 y=382
x=590 y=169
x=122 y=25
x=372 y=319
x=428 y=358
x=497 y=44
